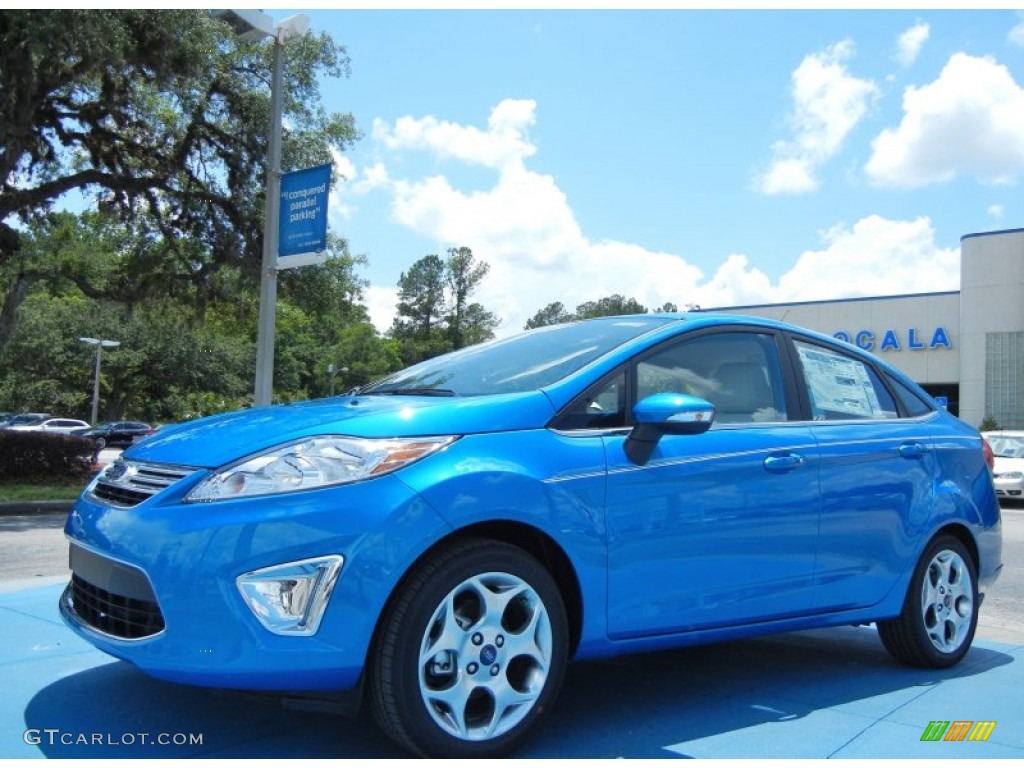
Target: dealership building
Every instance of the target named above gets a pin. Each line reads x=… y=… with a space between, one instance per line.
x=965 y=347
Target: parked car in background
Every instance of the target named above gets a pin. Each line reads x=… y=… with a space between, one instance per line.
x=441 y=543
x=115 y=433
x=1008 y=449
x=23 y=419
x=56 y=426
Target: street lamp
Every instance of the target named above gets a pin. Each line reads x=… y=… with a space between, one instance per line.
x=99 y=344
x=250 y=26
x=332 y=369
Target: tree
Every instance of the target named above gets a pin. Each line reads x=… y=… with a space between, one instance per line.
x=434 y=314
x=162 y=115
x=553 y=314
x=615 y=304
x=173 y=363
x=467 y=323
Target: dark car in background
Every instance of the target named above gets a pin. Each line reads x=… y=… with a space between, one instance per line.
x=119 y=433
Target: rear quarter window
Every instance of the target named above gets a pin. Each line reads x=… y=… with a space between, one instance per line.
x=912 y=402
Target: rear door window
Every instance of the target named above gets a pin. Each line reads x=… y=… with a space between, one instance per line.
x=841 y=387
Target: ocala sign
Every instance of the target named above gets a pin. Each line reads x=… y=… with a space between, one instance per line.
x=892 y=340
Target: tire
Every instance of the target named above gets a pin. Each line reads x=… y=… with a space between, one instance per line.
x=471 y=652
x=940 y=612
x=101 y=443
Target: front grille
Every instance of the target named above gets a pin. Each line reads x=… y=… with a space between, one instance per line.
x=128 y=483
x=114 y=614
x=111 y=597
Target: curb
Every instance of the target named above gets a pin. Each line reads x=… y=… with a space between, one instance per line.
x=10 y=508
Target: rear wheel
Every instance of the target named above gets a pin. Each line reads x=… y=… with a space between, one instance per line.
x=471 y=653
x=939 y=617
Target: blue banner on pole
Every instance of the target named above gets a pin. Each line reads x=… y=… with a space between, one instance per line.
x=304 y=211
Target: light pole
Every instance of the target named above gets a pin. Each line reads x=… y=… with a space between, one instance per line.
x=250 y=26
x=99 y=344
x=333 y=369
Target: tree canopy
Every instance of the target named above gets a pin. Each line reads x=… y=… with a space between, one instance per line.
x=434 y=311
x=162 y=116
x=616 y=304
x=154 y=125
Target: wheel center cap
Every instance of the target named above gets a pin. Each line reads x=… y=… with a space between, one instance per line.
x=488 y=655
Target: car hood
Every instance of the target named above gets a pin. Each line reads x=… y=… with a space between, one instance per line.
x=217 y=440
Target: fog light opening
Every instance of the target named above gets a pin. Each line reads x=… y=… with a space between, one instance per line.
x=290 y=598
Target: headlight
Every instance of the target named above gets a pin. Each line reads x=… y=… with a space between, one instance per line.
x=313 y=463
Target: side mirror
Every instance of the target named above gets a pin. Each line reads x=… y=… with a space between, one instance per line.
x=665 y=413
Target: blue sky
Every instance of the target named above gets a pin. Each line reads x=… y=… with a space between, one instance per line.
x=709 y=157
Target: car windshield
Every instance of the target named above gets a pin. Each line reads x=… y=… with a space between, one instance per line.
x=520 y=363
x=1007 y=447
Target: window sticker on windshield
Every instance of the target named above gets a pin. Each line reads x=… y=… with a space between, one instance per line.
x=838 y=383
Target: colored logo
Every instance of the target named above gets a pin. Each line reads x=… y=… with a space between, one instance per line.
x=958 y=730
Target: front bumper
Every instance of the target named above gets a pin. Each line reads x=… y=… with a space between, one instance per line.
x=1009 y=487
x=156 y=584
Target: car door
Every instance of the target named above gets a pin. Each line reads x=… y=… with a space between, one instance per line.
x=877 y=469
x=720 y=528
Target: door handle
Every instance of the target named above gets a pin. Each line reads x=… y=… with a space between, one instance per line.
x=784 y=463
x=912 y=450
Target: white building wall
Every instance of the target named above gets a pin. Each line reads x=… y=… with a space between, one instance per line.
x=912 y=320
x=991 y=302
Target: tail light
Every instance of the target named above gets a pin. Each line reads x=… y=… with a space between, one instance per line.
x=990 y=458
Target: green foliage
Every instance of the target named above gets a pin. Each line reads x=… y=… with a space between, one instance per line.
x=553 y=314
x=609 y=306
x=988 y=424
x=434 y=312
x=163 y=115
x=33 y=455
x=175 y=362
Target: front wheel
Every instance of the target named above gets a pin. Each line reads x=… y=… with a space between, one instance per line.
x=471 y=652
x=940 y=612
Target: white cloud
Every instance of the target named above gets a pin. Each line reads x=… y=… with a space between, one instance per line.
x=996 y=211
x=524 y=228
x=874 y=257
x=1016 y=35
x=380 y=304
x=344 y=173
x=828 y=103
x=911 y=42
x=968 y=121
x=504 y=142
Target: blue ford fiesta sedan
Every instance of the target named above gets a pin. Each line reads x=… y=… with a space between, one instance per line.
x=440 y=544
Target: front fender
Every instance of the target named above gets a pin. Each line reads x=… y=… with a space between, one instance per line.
x=545 y=480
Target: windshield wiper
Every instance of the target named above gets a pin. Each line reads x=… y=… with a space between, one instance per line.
x=414 y=391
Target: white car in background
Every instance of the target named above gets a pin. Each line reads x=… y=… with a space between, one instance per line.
x=1008 y=448
x=56 y=426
